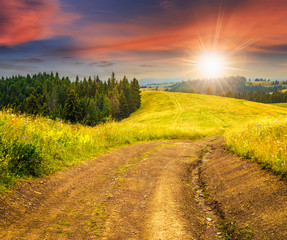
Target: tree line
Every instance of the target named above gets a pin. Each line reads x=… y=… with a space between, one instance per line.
x=88 y=101
x=261 y=96
x=236 y=87
x=221 y=86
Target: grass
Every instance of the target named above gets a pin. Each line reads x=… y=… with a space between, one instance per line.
x=57 y=145
x=64 y=223
x=232 y=231
x=264 y=141
x=283 y=105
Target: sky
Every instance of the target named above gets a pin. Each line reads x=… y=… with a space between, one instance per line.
x=143 y=38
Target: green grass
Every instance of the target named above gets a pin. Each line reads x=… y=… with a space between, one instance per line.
x=163 y=115
x=64 y=223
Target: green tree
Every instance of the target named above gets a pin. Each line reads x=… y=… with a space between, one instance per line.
x=73 y=109
x=229 y=94
x=32 y=104
x=136 y=94
x=93 y=114
x=123 y=107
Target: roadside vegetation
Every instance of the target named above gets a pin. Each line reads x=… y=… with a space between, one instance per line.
x=264 y=142
x=32 y=146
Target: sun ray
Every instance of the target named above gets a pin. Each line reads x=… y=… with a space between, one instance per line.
x=214 y=61
x=242 y=46
x=218 y=27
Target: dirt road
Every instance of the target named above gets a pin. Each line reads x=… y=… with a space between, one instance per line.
x=158 y=190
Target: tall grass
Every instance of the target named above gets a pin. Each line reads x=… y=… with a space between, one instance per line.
x=60 y=145
x=264 y=142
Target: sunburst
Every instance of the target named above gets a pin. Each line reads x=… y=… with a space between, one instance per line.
x=214 y=60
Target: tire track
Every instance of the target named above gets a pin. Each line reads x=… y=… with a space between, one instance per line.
x=179 y=109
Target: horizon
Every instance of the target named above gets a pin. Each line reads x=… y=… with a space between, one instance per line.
x=154 y=39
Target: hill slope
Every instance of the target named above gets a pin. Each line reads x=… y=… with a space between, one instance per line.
x=199 y=112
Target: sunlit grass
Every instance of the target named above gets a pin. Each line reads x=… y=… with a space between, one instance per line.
x=283 y=105
x=264 y=142
x=162 y=116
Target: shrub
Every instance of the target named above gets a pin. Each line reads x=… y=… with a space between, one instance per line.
x=24 y=159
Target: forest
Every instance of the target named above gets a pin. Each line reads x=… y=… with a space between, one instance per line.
x=88 y=101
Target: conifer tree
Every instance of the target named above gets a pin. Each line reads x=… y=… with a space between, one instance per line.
x=135 y=87
x=32 y=104
x=123 y=107
x=73 y=109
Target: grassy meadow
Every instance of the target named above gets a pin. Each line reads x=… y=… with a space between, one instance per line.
x=35 y=146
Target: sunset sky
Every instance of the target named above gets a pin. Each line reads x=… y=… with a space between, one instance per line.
x=143 y=38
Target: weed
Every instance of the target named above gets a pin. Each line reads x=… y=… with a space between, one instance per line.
x=64 y=223
x=231 y=231
x=123 y=168
x=99 y=216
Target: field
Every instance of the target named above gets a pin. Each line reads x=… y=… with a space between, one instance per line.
x=56 y=145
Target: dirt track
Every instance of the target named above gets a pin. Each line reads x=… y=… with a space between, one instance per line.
x=159 y=190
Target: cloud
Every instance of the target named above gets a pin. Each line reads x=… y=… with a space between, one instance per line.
x=7 y=66
x=165 y=4
x=102 y=64
x=29 y=60
x=78 y=63
x=23 y=21
x=279 y=48
x=147 y=66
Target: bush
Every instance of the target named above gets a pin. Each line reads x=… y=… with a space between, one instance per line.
x=24 y=159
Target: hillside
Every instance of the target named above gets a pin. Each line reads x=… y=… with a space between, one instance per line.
x=199 y=112
x=252 y=130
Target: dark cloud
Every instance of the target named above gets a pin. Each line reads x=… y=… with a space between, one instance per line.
x=29 y=60
x=7 y=66
x=78 y=63
x=280 y=48
x=102 y=64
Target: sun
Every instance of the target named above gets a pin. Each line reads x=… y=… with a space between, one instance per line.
x=211 y=65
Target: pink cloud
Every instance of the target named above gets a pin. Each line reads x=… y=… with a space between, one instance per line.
x=27 y=20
